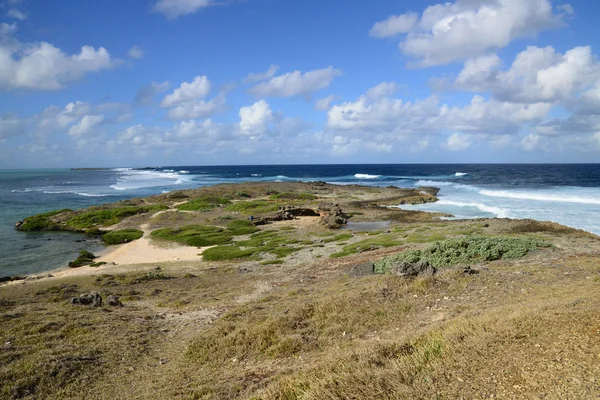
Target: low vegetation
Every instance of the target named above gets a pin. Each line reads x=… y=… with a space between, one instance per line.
x=293 y=196
x=268 y=241
x=373 y=243
x=253 y=207
x=85 y=258
x=466 y=250
x=108 y=217
x=42 y=222
x=204 y=204
x=121 y=236
x=205 y=235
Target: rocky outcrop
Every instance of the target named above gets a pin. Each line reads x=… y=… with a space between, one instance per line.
x=92 y=299
x=406 y=269
x=332 y=216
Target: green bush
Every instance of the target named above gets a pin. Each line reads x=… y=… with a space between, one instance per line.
x=221 y=253
x=109 y=216
x=466 y=250
x=85 y=258
x=42 y=222
x=122 y=236
x=241 y=227
x=195 y=235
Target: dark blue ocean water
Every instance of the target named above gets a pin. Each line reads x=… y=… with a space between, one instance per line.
x=568 y=194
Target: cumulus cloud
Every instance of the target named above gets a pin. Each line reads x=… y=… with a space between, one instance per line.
x=198 y=108
x=198 y=88
x=173 y=9
x=395 y=25
x=536 y=75
x=325 y=103
x=382 y=90
x=254 y=119
x=261 y=76
x=41 y=66
x=16 y=14
x=468 y=28
x=145 y=95
x=10 y=126
x=296 y=83
x=86 y=125
x=458 y=142
x=136 y=52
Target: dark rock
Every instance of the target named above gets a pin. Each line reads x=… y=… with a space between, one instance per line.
x=113 y=301
x=93 y=299
x=470 y=271
x=332 y=217
x=407 y=269
x=11 y=278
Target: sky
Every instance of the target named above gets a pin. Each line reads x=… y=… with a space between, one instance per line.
x=117 y=83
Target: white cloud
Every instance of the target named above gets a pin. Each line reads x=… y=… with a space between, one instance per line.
x=469 y=28
x=198 y=88
x=8 y=29
x=325 y=103
x=254 y=119
x=261 y=76
x=394 y=25
x=173 y=9
x=145 y=94
x=10 y=126
x=536 y=75
x=209 y=132
x=530 y=142
x=296 y=83
x=55 y=118
x=42 y=66
x=136 y=52
x=458 y=142
x=86 y=125
x=16 y=14
x=198 y=108
x=384 y=89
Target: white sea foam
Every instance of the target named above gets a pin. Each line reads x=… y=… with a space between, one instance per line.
x=183 y=171
x=540 y=196
x=366 y=176
x=130 y=179
x=433 y=183
x=461 y=174
x=256 y=174
x=497 y=211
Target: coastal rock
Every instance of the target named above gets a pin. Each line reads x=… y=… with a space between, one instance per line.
x=407 y=269
x=332 y=216
x=114 y=301
x=11 y=278
x=92 y=299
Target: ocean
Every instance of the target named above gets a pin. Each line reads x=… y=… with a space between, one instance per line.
x=565 y=193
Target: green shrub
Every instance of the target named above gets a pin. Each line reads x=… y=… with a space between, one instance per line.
x=42 y=222
x=466 y=250
x=343 y=236
x=221 y=253
x=195 y=235
x=241 y=227
x=85 y=258
x=109 y=216
x=122 y=236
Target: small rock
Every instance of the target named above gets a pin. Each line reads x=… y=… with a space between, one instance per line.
x=407 y=269
x=113 y=301
x=470 y=271
x=94 y=299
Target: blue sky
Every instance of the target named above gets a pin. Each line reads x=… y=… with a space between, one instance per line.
x=203 y=82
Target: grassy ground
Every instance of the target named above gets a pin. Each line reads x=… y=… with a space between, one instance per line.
x=290 y=321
